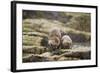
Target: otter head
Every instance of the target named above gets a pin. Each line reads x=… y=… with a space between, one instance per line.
x=66 y=41
x=54 y=42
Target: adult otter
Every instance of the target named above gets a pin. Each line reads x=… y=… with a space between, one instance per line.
x=54 y=38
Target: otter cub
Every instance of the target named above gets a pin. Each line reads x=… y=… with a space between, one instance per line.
x=66 y=42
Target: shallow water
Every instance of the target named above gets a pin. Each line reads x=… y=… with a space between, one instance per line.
x=79 y=45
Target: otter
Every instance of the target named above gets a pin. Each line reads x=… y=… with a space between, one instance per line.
x=54 y=38
x=66 y=42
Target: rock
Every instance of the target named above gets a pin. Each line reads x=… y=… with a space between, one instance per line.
x=46 y=54
x=68 y=54
x=83 y=53
x=34 y=49
x=32 y=58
